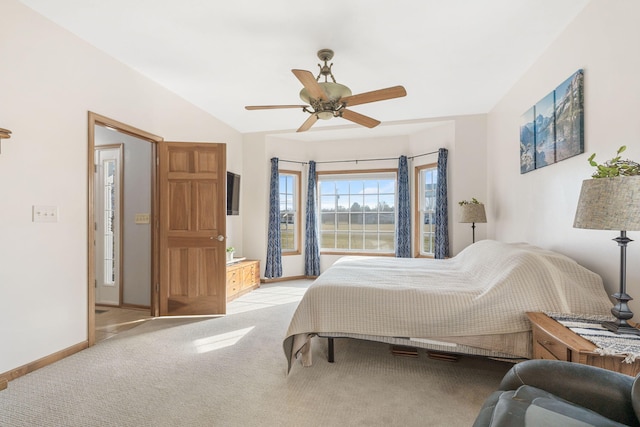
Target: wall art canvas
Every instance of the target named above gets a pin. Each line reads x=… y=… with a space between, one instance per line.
x=545 y=131
x=556 y=125
x=527 y=142
x=569 y=113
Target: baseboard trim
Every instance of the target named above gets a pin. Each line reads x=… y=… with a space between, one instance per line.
x=286 y=279
x=136 y=307
x=40 y=363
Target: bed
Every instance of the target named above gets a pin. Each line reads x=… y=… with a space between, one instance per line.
x=473 y=303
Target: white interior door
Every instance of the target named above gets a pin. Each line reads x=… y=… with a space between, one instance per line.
x=108 y=182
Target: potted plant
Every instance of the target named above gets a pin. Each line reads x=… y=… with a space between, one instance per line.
x=230 y=251
x=615 y=167
x=473 y=201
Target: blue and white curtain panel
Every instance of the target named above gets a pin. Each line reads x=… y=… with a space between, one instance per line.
x=441 y=215
x=403 y=227
x=273 y=266
x=312 y=244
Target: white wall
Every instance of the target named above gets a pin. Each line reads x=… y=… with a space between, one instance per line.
x=464 y=137
x=539 y=206
x=50 y=80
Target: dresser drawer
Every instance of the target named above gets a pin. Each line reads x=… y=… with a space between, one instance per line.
x=549 y=347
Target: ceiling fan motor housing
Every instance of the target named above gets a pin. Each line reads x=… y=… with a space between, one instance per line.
x=332 y=90
x=327 y=109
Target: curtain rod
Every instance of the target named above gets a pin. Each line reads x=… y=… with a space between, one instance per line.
x=356 y=161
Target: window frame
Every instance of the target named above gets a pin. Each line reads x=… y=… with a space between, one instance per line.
x=297 y=175
x=355 y=173
x=419 y=209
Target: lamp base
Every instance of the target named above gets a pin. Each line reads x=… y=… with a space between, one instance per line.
x=620 y=328
x=622 y=313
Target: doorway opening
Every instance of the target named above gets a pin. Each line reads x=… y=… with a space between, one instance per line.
x=122 y=218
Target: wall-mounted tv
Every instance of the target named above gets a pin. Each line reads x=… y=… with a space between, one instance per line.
x=233 y=193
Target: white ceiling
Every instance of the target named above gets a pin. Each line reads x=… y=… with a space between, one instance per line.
x=454 y=57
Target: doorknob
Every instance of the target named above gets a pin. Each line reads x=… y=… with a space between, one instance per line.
x=220 y=238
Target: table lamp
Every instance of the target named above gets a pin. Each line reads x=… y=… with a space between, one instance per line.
x=472 y=212
x=613 y=204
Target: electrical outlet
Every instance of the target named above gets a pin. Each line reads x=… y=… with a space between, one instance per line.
x=45 y=213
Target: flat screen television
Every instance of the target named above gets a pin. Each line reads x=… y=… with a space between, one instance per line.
x=233 y=193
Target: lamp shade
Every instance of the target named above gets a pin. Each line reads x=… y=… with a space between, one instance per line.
x=609 y=204
x=472 y=212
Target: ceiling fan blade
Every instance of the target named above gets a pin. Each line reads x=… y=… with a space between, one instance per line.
x=273 y=107
x=376 y=95
x=309 y=82
x=308 y=123
x=359 y=118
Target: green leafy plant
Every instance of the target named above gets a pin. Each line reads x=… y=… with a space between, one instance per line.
x=231 y=249
x=614 y=167
x=467 y=202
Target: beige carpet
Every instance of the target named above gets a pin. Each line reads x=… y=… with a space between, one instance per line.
x=231 y=371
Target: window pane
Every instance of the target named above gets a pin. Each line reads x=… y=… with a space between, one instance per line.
x=342 y=240
x=289 y=195
x=356 y=206
x=328 y=221
x=387 y=241
x=371 y=241
x=342 y=203
x=343 y=221
x=351 y=204
x=327 y=188
x=356 y=221
x=387 y=221
x=387 y=202
x=426 y=195
x=342 y=187
x=387 y=186
x=371 y=203
x=356 y=241
x=328 y=203
x=327 y=240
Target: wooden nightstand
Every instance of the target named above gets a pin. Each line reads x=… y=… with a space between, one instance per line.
x=553 y=341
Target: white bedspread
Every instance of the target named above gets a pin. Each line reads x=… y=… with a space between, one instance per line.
x=486 y=289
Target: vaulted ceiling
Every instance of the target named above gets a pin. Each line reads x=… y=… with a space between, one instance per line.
x=454 y=57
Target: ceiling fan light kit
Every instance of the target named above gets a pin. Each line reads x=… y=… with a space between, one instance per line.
x=328 y=99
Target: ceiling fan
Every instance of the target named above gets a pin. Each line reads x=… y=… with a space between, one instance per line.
x=330 y=99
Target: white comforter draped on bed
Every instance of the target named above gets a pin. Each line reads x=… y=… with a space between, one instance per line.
x=486 y=289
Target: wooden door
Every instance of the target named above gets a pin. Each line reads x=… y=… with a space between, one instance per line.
x=192 y=228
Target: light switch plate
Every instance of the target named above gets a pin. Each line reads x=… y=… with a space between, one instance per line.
x=45 y=213
x=142 y=218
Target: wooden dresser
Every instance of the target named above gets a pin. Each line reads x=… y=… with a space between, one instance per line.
x=242 y=277
x=553 y=341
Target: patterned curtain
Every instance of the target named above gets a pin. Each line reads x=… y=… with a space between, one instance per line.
x=442 y=216
x=312 y=244
x=403 y=228
x=273 y=267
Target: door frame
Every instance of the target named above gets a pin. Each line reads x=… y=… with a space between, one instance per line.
x=99 y=120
